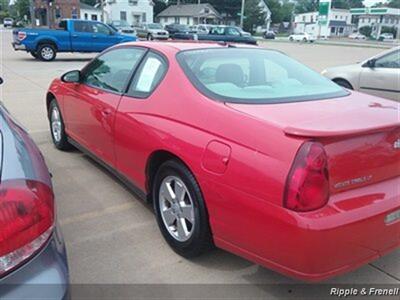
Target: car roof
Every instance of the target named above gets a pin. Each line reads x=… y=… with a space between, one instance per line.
x=181 y=45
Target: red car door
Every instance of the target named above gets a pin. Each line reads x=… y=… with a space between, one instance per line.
x=91 y=105
x=133 y=137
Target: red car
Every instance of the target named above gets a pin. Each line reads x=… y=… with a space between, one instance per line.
x=243 y=148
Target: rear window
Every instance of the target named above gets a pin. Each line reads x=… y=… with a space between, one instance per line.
x=251 y=75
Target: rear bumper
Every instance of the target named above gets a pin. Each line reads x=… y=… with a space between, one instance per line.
x=45 y=276
x=17 y=46
x=346 y=234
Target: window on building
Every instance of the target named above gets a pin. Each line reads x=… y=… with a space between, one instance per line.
x=177 y=20
x=144 y=18
x=341 y=29
x=86 y=16
x=333 y=29
x=57 y=13
x=304 y=18
x=122 y=15
x=133 y=2
x=74 y=13
x=94 y=17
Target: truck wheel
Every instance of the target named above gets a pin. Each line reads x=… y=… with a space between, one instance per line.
x=46 y=52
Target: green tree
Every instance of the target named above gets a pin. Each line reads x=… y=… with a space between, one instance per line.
x=366 y=30
x=254 y=16
x=304 y=6
x=394 y=3
x=22 y=8
x=90 y=2
x=159 y=6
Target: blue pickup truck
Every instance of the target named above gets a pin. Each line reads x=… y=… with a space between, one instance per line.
x=72 y=36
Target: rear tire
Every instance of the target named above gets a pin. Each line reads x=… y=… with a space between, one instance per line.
x=343 y=83
x=57 y=128
x=182 y=217
x=46 y=52
x=291 y=39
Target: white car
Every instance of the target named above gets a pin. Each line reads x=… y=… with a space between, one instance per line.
x=8 y=22
x=357 y=36
x=377 y=76
x=386 y=36
x=302 y=37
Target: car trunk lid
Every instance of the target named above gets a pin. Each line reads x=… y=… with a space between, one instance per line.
x=360 y=133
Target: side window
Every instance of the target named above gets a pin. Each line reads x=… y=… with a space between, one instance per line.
x=82 y=26
x=112 y=70
x=100 y=28
x=390 y=61
x=149 y=75
x=232 y=31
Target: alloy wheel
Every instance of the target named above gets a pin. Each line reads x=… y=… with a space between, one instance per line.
x=177 y=209
x=56 y=126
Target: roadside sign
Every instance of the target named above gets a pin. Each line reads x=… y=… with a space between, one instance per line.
x=323 y=13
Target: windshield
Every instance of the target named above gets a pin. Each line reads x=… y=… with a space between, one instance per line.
x=154 y=26
x=247 y=75
x=120 y=23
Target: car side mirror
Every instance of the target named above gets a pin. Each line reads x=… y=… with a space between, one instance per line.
x=72 y=77
x=1 y=80
x=370 y=64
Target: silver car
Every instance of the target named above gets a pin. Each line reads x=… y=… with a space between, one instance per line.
x=379 y=75
x=152 y=31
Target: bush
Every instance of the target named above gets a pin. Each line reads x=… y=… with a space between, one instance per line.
x=366 y=30
x=386 y=29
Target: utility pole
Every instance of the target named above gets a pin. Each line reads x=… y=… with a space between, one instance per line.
x=102 y=10
x=242 y=14
x=32 y=12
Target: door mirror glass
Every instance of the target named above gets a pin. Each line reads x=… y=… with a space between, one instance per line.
x=72 y=77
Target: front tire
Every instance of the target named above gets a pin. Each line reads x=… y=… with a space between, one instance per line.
x=57 y=128
x=46 y=52
x=180 y=210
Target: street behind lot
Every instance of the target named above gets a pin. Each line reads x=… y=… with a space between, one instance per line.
x=112 y=237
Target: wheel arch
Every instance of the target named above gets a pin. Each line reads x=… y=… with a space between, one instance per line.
x=46 y=41
x=49 y=97
x=154 y=161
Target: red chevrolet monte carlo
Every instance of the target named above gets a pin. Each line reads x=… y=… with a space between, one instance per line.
x=243 y=148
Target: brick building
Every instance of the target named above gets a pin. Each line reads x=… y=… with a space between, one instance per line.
x=49 y=13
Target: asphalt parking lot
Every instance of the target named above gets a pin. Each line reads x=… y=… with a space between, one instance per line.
x=112 y=237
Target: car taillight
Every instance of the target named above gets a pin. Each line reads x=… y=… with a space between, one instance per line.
x=26 y=220
x=21 y=35
x=307 y=186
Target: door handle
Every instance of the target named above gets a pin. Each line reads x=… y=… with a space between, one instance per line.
x=94 y=36
x=75 y=35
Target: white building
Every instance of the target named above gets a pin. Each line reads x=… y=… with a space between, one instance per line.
x=89 y=12
x=189 y=14
x=133 y=11
x=338 y=23
x=377 y=18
